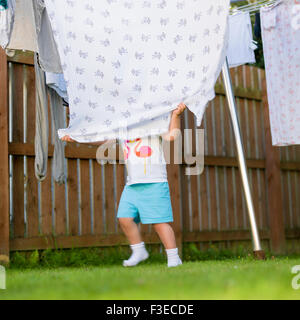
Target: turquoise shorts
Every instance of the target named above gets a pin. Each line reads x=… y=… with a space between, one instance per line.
x=148 y=203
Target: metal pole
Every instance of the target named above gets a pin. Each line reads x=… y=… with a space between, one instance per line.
x=258 y=252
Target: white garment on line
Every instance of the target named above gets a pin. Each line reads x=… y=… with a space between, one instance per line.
x=24 y=32
x=282 y=59
x=131 y=62
x=240 y=44
x=7 y=16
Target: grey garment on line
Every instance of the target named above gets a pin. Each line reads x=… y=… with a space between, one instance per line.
x=49 y=59
x=32 y=31
x=41 y=122
x=57 y=119
x=42 y=129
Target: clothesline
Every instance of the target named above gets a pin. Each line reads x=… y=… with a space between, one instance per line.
x=254 y=5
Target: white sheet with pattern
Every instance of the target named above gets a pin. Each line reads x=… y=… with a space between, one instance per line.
x=128 y=63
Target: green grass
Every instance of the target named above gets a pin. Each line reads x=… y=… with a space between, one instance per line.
x=79 y=257
x=227 y=279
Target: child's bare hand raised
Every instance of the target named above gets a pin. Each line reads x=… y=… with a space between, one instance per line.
x=67 y=139
x=180 y=109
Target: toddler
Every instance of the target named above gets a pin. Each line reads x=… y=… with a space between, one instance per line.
x=146 y=196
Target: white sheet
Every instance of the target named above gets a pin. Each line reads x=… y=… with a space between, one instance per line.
x=281 y=39
x=130 y=62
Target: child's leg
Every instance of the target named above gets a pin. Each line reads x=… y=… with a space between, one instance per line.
x=167 y=237
x=132 y=232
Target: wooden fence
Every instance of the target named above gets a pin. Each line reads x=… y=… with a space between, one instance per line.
x=207 y=208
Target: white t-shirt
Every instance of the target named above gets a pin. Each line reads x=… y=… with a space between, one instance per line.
x=145 y=160
x=241 y=45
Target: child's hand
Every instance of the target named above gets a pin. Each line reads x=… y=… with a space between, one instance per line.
x=67 y=139
x=180 y=109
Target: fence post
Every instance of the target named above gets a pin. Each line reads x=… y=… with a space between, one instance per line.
x=4 y=175
x=273 y=177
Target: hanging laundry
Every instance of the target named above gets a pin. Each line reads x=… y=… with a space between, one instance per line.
x=42 y=129
x=24 y=33
x=282 y=59
x=32 y=31
x=41 y=123
x=7 y=16
x=58 y=120
x=241 y=45
x=129 y=62
x=49 y=59
x=57 y=82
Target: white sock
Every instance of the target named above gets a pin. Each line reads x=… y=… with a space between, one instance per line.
x=139 y=254
x=173 y=258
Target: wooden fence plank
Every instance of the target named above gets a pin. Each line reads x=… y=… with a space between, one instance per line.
x=218 y=126
x=73 y=198
x=4 y=169
x=18 y=197
x=32 y=184
x=60 y=210
x=18 y=162
x=204 y=201
x=109 y=199
x=264 y=202
x=32 y=201
x=256 y=195
x=260 y=129
x=213 y=198
x=185 y=200
x=85 y=197
x=230 y=199
x=239 y=199
x=46 y=203
x=18 y=114
x=120 y=185
x=195 y=204
x=98 y=203
x=293 y=198
x=223 y=199
x=274 y=184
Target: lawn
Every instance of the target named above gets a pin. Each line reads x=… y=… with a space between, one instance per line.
x=229 y=279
